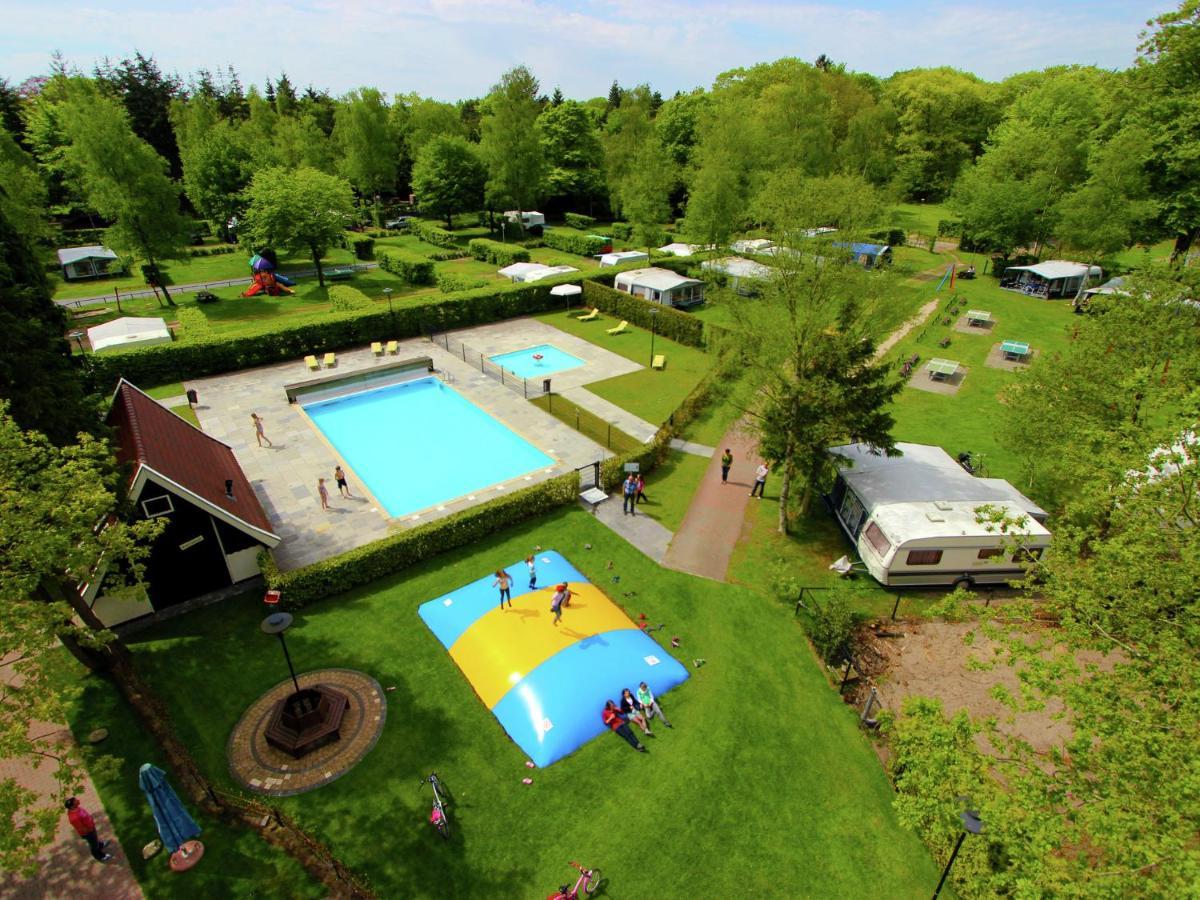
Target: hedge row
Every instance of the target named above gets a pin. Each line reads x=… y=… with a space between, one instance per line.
x=581 y=244
x=362 y=246
x=444 y=255
x=407 y=548
x=408 y=267
x=344 y=298
x=580 y=221
x=212 y=251
x=497 y=253
x=622 y=230
x=432 y=234
x=453 y=284
x=671 y=323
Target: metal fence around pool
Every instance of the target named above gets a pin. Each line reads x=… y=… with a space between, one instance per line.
x=526 y=387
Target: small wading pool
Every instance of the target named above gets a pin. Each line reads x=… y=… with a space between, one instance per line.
x=522 y=363
x=420 y=443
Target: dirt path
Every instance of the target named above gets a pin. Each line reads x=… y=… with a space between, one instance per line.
x=916 y=321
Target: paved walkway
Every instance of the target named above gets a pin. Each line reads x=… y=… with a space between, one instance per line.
x=610 y=412
x=645 y=533
x=66 y=867
x=693 y=449
x=710 y=530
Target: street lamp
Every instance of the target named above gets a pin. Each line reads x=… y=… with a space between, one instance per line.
x=653 y=331
x=277 y=624
x=77 y=337
x=972 y=823
x=387 y=292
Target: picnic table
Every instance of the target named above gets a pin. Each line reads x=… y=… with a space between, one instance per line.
x=1014 y=351
x=978 y=317
x=941 y=369
x=341 y=273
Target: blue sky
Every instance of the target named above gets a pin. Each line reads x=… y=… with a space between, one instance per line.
x=457 y=48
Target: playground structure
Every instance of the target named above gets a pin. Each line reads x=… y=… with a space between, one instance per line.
x=546 y=684
x=265 y=280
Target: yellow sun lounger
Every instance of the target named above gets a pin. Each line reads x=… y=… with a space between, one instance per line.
x=377 y=348
x=620 y=329
x=393 y=348
x=311 y=362
x=330 y=360
x=659 y=362
x=593 y=315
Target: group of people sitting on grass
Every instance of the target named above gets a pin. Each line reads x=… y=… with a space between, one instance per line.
x=639 y=708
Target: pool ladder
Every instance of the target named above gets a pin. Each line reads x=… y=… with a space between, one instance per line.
x=446 y=376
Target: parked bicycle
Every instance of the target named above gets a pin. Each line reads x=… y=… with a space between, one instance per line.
x=589 y=880
x=437 y=815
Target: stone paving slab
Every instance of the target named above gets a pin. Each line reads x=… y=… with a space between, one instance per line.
x=610 y=412
x=646 y=534
x=694 y=449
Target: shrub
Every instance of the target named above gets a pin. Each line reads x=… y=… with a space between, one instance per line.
x=344 y=298
x=496 y=252
x=219 y=250
x=950 y=227
x=361 y=246
x=432 y=234
x=451 y=284
x=676 y=325
x=622 y=230
x=580 y=221
x=407 y=548
x=893 y=237
x=193 y=327
x=408 y=267
x=581 y=244
x=444 y=255
x=830 y=625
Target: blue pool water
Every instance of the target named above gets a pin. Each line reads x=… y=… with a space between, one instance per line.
x=522 y=364
x=420 y=443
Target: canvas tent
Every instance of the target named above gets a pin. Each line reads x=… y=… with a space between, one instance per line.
x=913 y=517
x=1053 y=278
x=87 y=262
x=129 y=331
x=678 y=249
x=754 y=245
x=1112 y=286
x=661 y=286
x=742 y=273
x=522 y=270
x=530 y=219
x=549 y=272
x=623 y=256
x=866 y=255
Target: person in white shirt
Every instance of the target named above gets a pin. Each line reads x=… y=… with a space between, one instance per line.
x=760 y=480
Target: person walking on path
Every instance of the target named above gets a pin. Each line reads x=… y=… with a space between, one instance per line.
x=760 y=480
x=504 y=582
x=613 y=719
x=339 y=475
x=259 y=434
x=324 y=492
x=85 y=826
x=726 y=463
x=629 y=491
x=650 y=706
x=532 y=573
x=641 y=489
x=630 y=709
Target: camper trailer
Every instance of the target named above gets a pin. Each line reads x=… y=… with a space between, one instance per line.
x=912 y=518
x=661 y=286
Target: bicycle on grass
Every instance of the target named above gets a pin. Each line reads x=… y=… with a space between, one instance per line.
x=589 y=880
x=437 y=816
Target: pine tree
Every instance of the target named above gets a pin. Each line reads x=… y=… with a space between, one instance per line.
x=556 y=99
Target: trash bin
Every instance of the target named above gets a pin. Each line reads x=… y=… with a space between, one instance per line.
x=545 y=385
x=193 y=397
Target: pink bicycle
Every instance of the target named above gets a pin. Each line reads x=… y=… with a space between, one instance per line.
x=589 y=880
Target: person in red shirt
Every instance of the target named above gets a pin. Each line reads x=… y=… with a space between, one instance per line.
x=85 y=826
x=613 y=719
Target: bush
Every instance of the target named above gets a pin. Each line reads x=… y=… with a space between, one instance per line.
x=344 y=298
x=893 y=237
x=361 y=246
x=219 y=250
x=408 y=267
x=193 y=328
x=444 y=255
x=432 y=234
x=676 y=325
x=397 y=552
x=950 y=227
x=452 y=284
x=581 y=244
x=830 y=625
x=622 y=230
x=580 y=221
x=497 y=253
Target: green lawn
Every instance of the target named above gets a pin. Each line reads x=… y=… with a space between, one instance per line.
x=919 y=217
x=237 y=862
x=670 y=487
x=647 y=393
x=765 y=779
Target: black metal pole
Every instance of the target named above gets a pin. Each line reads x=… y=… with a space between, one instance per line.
x=845 y=675
x=946 y=871
x=288 y=657
x=897 y=606
x=653 y=331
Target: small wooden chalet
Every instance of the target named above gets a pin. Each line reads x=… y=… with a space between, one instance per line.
x=215 y=525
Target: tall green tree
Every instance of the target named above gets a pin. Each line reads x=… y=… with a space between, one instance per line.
x=147 y=95
x=297 y=209
x=125 y=181
x=363 y=135
x=510 y=147
x=626 y=132
x=217 y=167
x=574 y=158
x=22 y=191
x=448 y=177
x=644 y=193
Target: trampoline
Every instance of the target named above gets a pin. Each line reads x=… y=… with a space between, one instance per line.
x=547 y=684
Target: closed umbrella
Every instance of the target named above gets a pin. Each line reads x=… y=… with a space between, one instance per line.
x=176 y=827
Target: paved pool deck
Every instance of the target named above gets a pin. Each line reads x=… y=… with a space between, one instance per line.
x=285 y=475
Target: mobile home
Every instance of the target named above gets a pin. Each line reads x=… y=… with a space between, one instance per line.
x=661 y=286
x=912 y=518
x=620 y=257
x=745 y=275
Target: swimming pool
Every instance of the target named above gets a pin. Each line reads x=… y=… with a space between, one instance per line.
x=420 y=443
x=522 y=364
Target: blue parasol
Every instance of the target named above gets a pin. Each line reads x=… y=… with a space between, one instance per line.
x=175 y=825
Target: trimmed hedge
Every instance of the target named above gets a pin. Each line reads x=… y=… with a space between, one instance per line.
x=193 y=326
x=445 y=255
x=581 y=244
x=362 y=246
x=432 y=234
x=580 y=221
x=622 y=230
x=676 y=325
x=497 y=253
x=397 y=552
x=452 y=284
x=408 y=267
x=344 y=298
x=212 y=251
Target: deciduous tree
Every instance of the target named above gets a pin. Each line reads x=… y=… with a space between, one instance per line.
x=448 y=177
x=510 y=147
x=363 y=135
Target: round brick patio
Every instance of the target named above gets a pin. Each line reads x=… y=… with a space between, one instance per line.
x=261 y=768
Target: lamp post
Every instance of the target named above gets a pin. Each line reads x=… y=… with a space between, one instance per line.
x=971 y=823
x=77 y=337
x=387 y=292
x=653 y=331
x=277 y=624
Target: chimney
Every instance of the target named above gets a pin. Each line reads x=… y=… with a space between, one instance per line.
x=229 y=488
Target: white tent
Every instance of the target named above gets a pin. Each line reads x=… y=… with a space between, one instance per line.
x=86 y=262
x=756 y=245
x=1053 y=278
x=739 y=270
x=522 y=270
x=130 y=331
x=549 y=272
x=661 y=286
x=678 y=249
x=623 y=256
